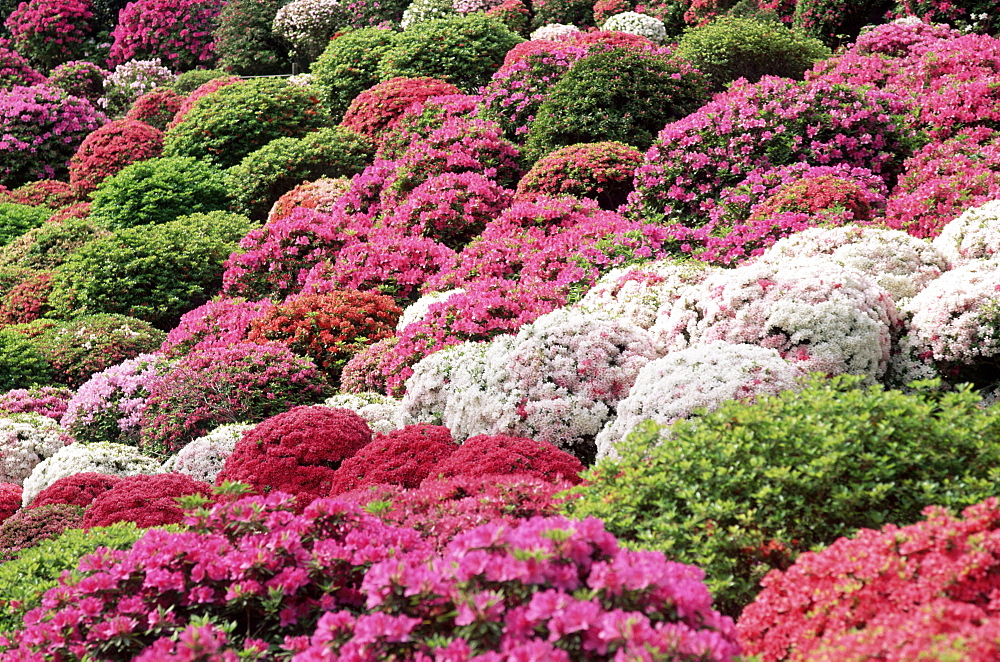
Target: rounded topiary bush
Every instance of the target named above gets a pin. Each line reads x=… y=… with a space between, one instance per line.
x=177 y=31
x=377 y=108
x=319 y=195
x=16 y=220
x=49 y=401
x=157 y=191
x=143 y=499
x=51 y=32
x=109 y=149
x=624 y=95
x=602 y=171
x=15 y=70
x=188 y=82
x=243 y=382
x=239 y=118
x=810 y=466
x=76 y=490
x=156 y=107
x=262 y=177
x=245 y=41
x=349 y=66
x=423 y=118
x=732 y=47
x=80 y=79
x=155 y=273
x=504 y=455
x=464 y=51
x=403 y=457
x=41 y=128
x=28 y=527
x=297 y=452
x=21 y=364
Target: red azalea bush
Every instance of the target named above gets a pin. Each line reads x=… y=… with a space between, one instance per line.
x=50 y=401
x=200 y=92
x=368 y=370
x=512 y=13
x=77 y=489
x=50 y=193
x=29 y=526
x=403 y=457
x=28 y=300
x=77 y=210
x=51 y=32
x=902 y=38
x=601 y=171
x=15 y=70
x=377 y=108
x=109 y=149
x=319 y=195
x=179 y=32
x=421 y=118
x=297 y=452
x=329 y=328
x=487 y=455
x=962 y=12
x=10 y=500
x=156 y=108
x=218 y=323
x=80 y=78
x=901 y=593
x=144 y=499
x=241 y=383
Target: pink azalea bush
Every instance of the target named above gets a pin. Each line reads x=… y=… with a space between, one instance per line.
x=79 y=78
x=51 y=32
x=50 y=401
x=10 y=500
x=421 y=118
x=218 y=323
x=177 y=31
x=15 y=70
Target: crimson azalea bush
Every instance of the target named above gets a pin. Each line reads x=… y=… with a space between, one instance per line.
x=377 y=108
x=348 y=67
x=79 y=78
x=218 y=323
x=209 y=387
x=77 y=489
x=514 y=14
x=320 y=195
x=30 y=526
x=109 y=149
x=601 y=171
x=464 y=606
x=41 y=127
x=10 y=500
x=144 y=499
x=15 y=70
x=179 y=32
x=28 y=300
x=50 y=193
x=486 y=455
x=329 y=328
x=895 y=594
x=156 y=108
x=403 y=457
x=297 y=452
x=51 y=32
x=50 y=401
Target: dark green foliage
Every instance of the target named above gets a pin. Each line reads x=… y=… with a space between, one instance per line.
x=838 y=22
x=349 y=66
x=157 y=191
x=573 y=12
x=464 y=51
x=189 y=81
x=621 y=95
x=155 y=273
x=21 y=364
x=17 y=219
x=257 y=182
x=49 y=245
x=744 y=489
x=226 y=125
x=733 y=47
x=244 y=42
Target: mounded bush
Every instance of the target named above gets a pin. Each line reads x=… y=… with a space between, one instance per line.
x=349 y=66
x=262 y=177
x=129 y=81
x=157 y=191
x=239 y=118
x=28 y=300
x=109 y=149
x=156 y=108
x=79 y=78
x=403 y=457
x=602 y=171
x=16 y=220
x=376 y=109
x=49 y=401
x=77 y=490
x=50 y=244
x=51 y=32
x=187 y=82
x=25 y=441
x=218 y=323
x=15 y=70
x=50 y=193
x=21 y=364
x=464 y=51
x=28 y=527
x=732 y=47
x=504 y=455
x=319 y=195
x=746 y=488
x=144 y=499
x=10 y=501
x=177 y=31
x=245 y=42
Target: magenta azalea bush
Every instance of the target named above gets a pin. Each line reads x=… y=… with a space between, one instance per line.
x=179 y=32
x=51 y=32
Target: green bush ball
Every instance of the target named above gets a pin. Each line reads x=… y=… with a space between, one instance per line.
x=349 y=66
x=16 y=220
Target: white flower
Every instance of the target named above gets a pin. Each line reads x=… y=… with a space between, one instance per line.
x=554 y=32
x=975 y=235
x=204 y=458
x=421 y=11
x=379 y=411
x=416 y=310
x=26 y=440
x=308 y=25
x=631 y=22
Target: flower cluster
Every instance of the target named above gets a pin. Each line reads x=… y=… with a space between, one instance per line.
x=368 y=371
x=602 y=171
x=403 y=457
x=219 y=323
x=157 y=108
x=308 y=25
x=49 y=401
x=643 y=25
x=902 y=37
x=147 y=500
x=107 y=407
x=379 y=411
x=28 y=300
x=51 y=32
x=319 y=195
x=15 y=70
x=971 y=236
x=10 y=500
x=109 y=149
x=376 y=110
x=504 y=455
x=130 y=80
x=25 y=441
x=79 y=78
x=420 y=11
x=177 y=31
x=422 y=118
x=204 y=458
x=76 y=490
x=554 y=32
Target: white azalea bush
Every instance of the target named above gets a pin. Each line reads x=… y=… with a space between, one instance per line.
x=554 y=32
x=416 y=310
x=898 y=262
x=130 y=80
x=101 y=457
x=308 y=25
x=975 y=235
x=643 y=25
x=204 y=458
x=834 y=318
x=379 y=411
x=25 y=441
x=701 y=376
x=421 y=11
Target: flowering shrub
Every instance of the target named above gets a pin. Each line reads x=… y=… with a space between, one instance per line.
x=76 y=490
x=41 y=128
x=10 y=500
x=942 y=564
x=218 y=323
x=491 y=455
x=967 y=13
x=971 y=236
x=27 y=528
x=241 y=117
x=379 y=411
x=403 y=457
x=554 y=32
x=758 y=126
x=630 y=22
x=48 y=401
x=376 y=109
x=177 y=31
x=51 y=32
x=263 y=176
x=602 y=171
x=347 y=67
x=79 y=78
x=15 y=70
x=421 y=11
x=156 y=191
x=297 y=452
x=320 y=195
x=369 y=370
x=423 y=118
x=204 y=458
x=308 y=25
x=209 y=387
x=245 y=41
x=512 y=13
x=107 y=406
x=215 y=82
x=101 y=457
x=49 y=193
x=109 y=149
x=156 y=107
x=464 y=50
x=87 y=344
x=26 y=440
x=811 y=467
x=130 y=80
x=147 y=500
x=902 y=37
x=28 y=300
x=587 y=105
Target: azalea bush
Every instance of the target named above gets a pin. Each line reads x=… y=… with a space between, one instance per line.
x=205 y=457
x=601 y=171
x=403 y=457
x=156 y=107
x=26 y=440
x=79 y=78
x=130 y=80
x=77 y=490
x=375 y=109
x=177 y=31
x=109 y=149
x=107 y=407
x=48 y=401
x=27 y=528
x=423 y=118
x=217 y=323
x=147 y=500
x=15 y=70
x=319 y=194
x=49 y=33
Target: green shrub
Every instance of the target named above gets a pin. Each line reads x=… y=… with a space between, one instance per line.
x=244 y=41
x=189 y=81
x=572 y=12
x=837 y=22
x=464 y=51
x=157 y=191
x=349 y=66
x=21 y=364
x=745 y=488
x=155 y=273
x=733 y=47
x=49 y=245
x=36 y=570
x=257 y=182
x=621 y=95
x=17 y=219
x=237 y=119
